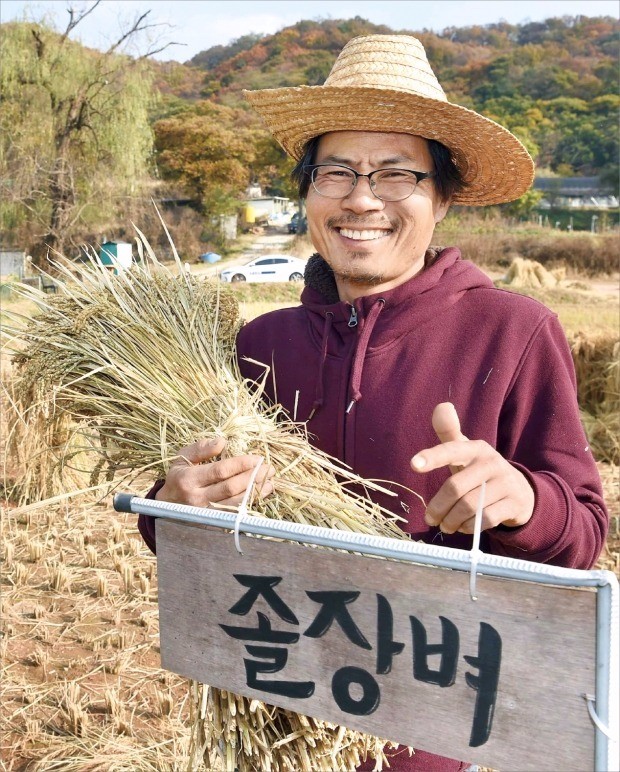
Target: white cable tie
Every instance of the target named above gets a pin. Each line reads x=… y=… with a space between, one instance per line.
x=243 y=507
x=590 y=701
x=475 y=551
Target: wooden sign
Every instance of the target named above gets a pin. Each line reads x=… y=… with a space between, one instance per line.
x=389 y=648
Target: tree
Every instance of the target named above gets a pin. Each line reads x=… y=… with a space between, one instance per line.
x=207 y=154
x=74 y=125
x=214 y=151
x=523 y=206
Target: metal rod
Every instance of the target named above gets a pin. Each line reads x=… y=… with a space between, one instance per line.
x=607 y=749
x=414 y=552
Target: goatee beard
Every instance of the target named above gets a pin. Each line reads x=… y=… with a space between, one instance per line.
x=360 y=279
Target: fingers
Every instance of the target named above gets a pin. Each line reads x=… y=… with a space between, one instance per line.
x=453 y=510
x=192 y=481
x=509 y=498
x=447 y=427
x=226 y=483
x=453 y=453
x=199 y=452
x=492 y=515
x=231 y=490
x=446 y=423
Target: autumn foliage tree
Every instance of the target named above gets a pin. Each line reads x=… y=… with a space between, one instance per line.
x=553 y=83
x=212 y=152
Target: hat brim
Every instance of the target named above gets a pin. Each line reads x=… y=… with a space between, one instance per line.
x=494 y=164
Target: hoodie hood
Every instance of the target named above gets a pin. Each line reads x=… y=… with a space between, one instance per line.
x=444 y=280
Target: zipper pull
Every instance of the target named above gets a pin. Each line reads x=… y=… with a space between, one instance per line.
x=353 y=317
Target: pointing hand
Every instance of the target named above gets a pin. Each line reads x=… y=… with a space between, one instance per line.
x=509 y=498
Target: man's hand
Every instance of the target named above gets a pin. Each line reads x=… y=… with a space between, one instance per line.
x=192 y=481
x=509 y=498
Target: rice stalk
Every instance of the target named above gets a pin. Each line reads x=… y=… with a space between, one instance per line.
x=115 y=374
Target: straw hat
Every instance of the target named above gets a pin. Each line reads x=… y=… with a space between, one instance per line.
x=385 y=83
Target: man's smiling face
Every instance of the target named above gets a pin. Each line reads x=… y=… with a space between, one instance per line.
x=373 y=245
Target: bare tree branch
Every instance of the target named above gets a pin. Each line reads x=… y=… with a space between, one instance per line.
x=76 y=18
x=153 y=51
x=135 y=28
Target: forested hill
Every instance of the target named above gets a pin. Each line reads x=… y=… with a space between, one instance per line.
x=569 y=57
x=553 y=83
x=74 y=119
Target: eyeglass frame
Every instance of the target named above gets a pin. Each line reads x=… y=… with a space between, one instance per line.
x=419 y=177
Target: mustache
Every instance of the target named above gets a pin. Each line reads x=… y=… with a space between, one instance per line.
x=352 y=219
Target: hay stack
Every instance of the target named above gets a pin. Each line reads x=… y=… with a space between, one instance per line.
x=134 y=366
x=597 y=366
x=530 y=274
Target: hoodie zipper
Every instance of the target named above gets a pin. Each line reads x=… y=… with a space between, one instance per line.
x=347 y=418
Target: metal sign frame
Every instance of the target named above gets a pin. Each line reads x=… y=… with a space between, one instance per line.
x=603 y=706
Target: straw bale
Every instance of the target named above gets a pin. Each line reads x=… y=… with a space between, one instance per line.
x=129 y=368
x=597 y=367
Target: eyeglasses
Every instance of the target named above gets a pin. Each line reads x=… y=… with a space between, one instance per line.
x=337 y=181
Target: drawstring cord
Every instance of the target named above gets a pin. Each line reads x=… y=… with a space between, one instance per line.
x=360 y=353
x=318 y=398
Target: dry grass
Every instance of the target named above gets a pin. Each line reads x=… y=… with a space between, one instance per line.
x=597 y=365
x=489 y=241
x=118 y=372
x=81 y=686
x=112 y=376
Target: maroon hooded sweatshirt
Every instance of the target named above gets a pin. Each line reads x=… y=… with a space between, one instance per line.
x=366 y=378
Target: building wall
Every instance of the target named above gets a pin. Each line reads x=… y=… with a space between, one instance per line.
x=12 y=263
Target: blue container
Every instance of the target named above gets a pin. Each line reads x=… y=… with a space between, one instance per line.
x=210 y=257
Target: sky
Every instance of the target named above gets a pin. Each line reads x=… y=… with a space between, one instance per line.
x=196 y=25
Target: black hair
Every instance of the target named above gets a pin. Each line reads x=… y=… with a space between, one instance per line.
x=448 y=179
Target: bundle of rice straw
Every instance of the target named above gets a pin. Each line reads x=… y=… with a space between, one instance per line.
x=134 y=366
x=529 y=273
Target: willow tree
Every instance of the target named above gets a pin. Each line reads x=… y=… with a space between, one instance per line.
x=75 y=138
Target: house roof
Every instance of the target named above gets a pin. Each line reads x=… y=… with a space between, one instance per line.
x=570 y=186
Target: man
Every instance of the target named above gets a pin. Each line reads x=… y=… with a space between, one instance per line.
x=396 y=340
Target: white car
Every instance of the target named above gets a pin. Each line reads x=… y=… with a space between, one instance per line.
x=267 y=268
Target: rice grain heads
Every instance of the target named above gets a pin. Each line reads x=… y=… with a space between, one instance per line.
x=111 y=377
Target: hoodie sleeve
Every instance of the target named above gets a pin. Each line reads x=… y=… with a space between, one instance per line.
x=541 y=434
x=146 y=523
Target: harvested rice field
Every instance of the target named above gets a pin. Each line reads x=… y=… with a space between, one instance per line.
x=81 y=688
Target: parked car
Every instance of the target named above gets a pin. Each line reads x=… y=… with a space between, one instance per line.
x=298 y=224
x=279 y=219
x=267 y=268
x=292 y=226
